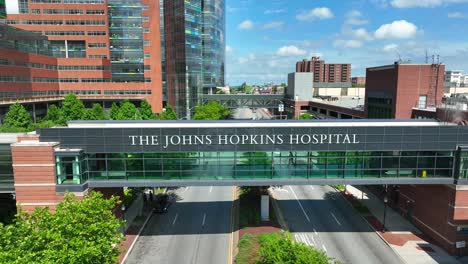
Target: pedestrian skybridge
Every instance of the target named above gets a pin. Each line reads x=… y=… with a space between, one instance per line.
x=191 y=153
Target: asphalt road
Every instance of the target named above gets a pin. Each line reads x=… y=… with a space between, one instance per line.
x=196 y=229
x=321 y=217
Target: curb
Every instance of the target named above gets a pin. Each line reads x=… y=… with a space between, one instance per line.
x=136 y=238
x=278 y=212
x=139 y=233
x=372 y=227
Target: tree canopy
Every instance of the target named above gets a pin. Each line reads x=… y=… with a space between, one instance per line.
x=146 y=113
x=128 y=111
x=55 y=115
x=95 y=113
x=305 y=116
x=211 y=111
x=168 y=114
x=17 y=117
x=79 y=231
x=72 y=108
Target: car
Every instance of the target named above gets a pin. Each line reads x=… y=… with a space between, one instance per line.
x=162 y=203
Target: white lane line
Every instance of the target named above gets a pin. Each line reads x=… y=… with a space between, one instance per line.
x=324 y=248
x=335 y=218
x=296 y=237
x=204 y=218
x=307 y=217
x=211 y=188
x=304 y=239
x=186 y=189
x=312 y=187
x=175 y=219
x=315 y=232
x=313 y=240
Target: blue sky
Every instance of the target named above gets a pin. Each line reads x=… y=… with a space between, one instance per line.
x=265 y=38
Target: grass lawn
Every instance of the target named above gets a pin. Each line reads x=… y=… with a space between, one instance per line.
x=249 y=246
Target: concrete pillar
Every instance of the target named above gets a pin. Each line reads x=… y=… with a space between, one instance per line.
x=265 y=207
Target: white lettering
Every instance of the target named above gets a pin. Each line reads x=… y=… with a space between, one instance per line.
x=355 y=141
x=244 y=139
x=235 y=141
x=253 y=139
x=305 y=139
x=199 y=140
x=270 y=139
x=346 y=140
x=133 y=139
x=186 y=140
x=294 y=138
x=209 y=140
x=167 y=142
x=222 y=139
x=177 y=141
x=154 y=141
x=323 y=137
x=315 y=139
x=144 y=140
x=280 y=139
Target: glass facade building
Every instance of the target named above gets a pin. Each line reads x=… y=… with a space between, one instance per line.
x=126 y=40
x=6 y=169
x=194 y=50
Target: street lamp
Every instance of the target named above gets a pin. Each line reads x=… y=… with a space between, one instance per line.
x=385 y=200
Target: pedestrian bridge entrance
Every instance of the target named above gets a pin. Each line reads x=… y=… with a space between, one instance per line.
x=191 y=153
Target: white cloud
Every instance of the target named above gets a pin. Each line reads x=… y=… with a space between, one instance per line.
x=390 y=47
x=354 y=18
x=274 y=11
x=361 y=34
x=456 y=15
x=350 y=43
x=273 y=24
x=400 y=29
x=290 y=51
x=229 y=49
x=245 y=25
x=423 y=3
x=243 y=60
x=316 y=13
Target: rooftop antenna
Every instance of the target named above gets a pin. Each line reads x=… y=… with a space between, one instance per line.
x=399 y=56
x=427 y=58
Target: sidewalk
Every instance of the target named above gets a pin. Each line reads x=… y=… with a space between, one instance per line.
x=403 y=237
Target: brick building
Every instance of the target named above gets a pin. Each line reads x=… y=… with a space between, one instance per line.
x=358 y=81
x=328 y=73
x=392 y=91
x=100 y=48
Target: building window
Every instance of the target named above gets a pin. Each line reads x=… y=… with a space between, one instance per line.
x=96 y=33
x=146 y=30
x=23 y=6
x=422 y=103
x=97 y=45
x=145 y=19
x=95 y=12
x=147 y=56
x=35 y=11
x=147 y=43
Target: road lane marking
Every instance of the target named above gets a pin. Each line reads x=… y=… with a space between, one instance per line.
x=335 y=218
x=324 y=248
x=175 y=219
x=315 y=232
x=312 y=187
x=313 y=240
x=307 y=217
x=211 y=188
x=204 y=218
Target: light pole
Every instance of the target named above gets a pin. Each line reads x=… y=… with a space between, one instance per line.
x=385 y=200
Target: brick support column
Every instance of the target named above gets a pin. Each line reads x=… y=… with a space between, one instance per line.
x=34 y=173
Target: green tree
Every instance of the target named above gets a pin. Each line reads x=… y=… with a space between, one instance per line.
x=73 y=108
x=114 y=113
x=211 y=111
x=281 y=248
x=79 y=231
x=128 y=111
x=95 y=113
x=55 y=115
x=305 y=116
x=17 y=117
x=168 y=114
x=146 y=112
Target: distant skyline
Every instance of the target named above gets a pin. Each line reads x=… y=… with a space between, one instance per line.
x=265 y=38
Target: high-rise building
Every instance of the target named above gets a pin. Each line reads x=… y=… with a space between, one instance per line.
x=194 y=32
x=104 y=48
x=328 y=73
